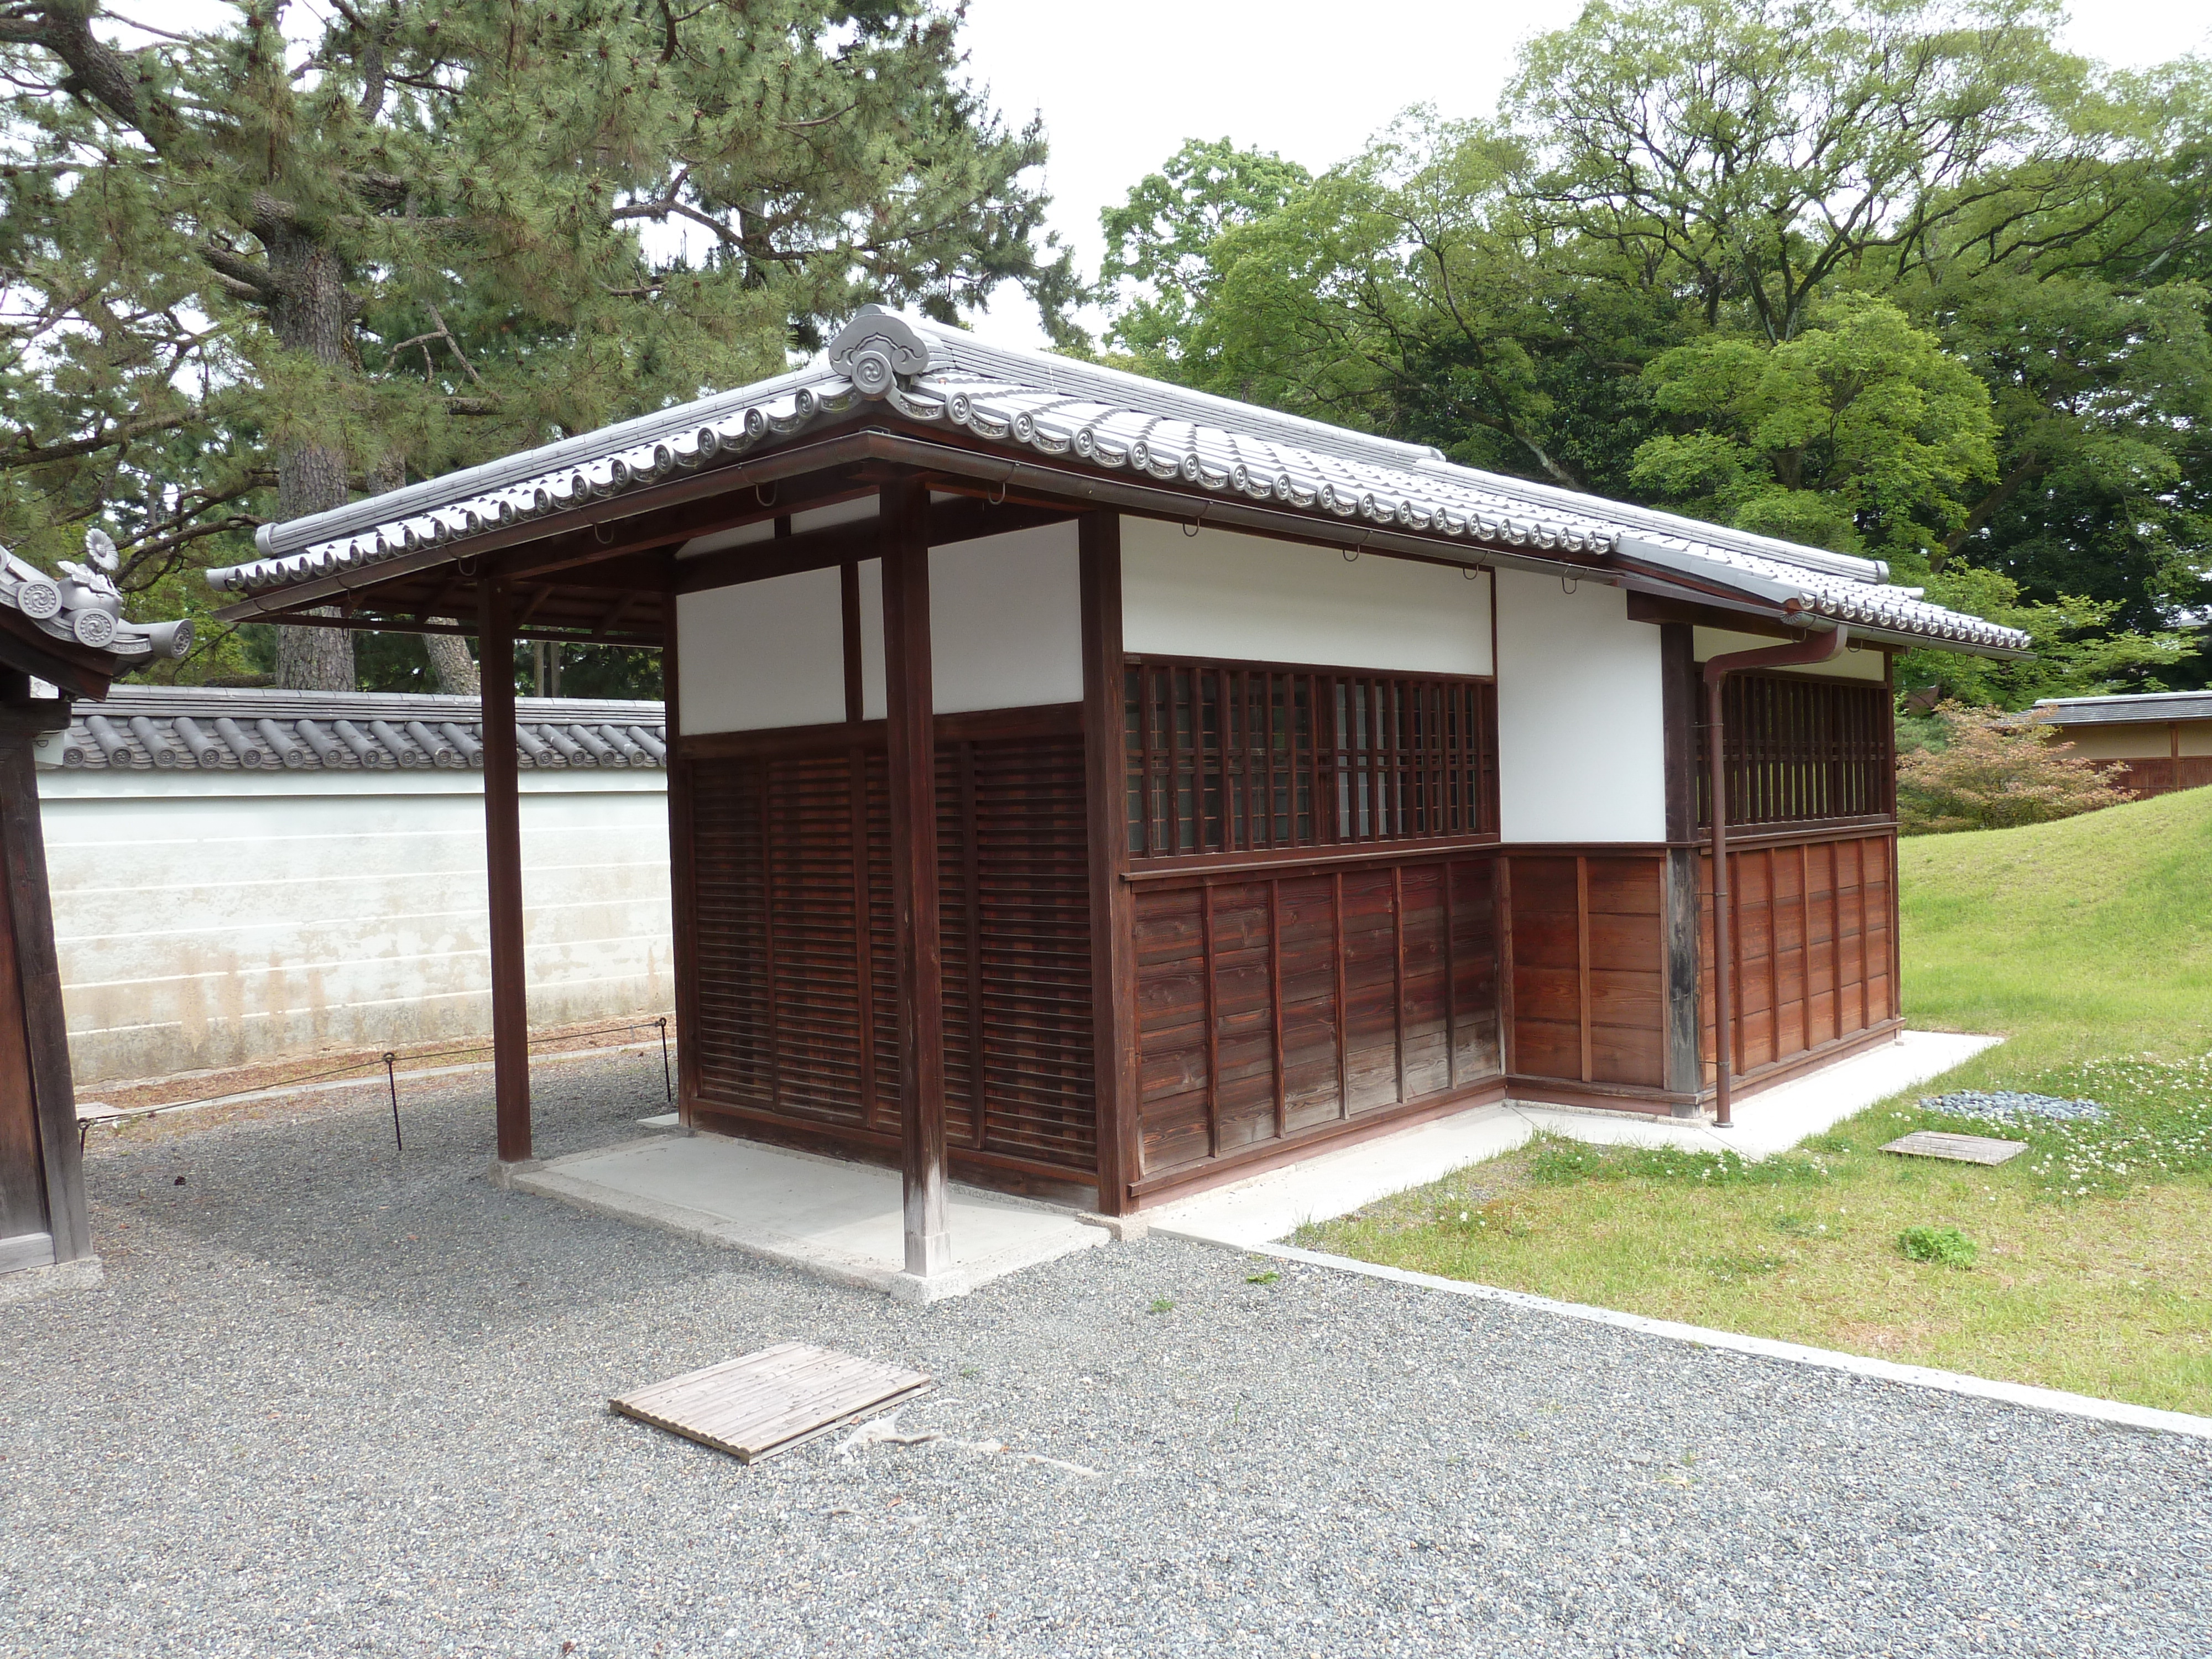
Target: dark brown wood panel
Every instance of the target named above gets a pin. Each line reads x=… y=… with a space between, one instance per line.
x=1813 y=946
x=797 y=946
x=1589 y=952
x=1270 y=1007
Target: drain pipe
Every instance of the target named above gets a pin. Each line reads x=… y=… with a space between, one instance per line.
x=1814 y=648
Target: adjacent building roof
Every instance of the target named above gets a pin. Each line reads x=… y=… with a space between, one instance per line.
x=150 y=728
x=2144 y=707
x=71 y=630
x=1102 y=419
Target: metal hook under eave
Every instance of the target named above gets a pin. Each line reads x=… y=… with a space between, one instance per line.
x=606 y=540
x=770 y=499
x=999 y=499
x=1570 y=584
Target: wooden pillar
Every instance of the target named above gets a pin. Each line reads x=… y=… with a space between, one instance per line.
x=911 y=768
x=510 y=1010
x=1113 y=960
x=1678 y=699
x=36 y=1093
x=682 y=880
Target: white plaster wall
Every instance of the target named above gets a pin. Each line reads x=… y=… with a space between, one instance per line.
x=1005 y=623
x=1247 y=598
x=215 y=920
x=1857 y=662
x=1580 y=740
x=761 y=655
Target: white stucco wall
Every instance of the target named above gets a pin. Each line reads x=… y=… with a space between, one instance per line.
x=1580 y=740
x=1005 y=631
x=1857 y=663
x=761 y=655
x=1219 y=594
x=210 y=920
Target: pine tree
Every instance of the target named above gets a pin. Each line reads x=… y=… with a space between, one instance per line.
x=247 y=272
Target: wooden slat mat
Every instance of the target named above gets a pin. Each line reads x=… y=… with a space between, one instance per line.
x=769 y=1401
x=1959 y=1149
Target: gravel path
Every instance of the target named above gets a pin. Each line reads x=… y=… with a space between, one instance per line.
x=332 y=1402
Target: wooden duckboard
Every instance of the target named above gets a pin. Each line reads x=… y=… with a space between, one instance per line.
x=1959 y=1149
x=762 y=1403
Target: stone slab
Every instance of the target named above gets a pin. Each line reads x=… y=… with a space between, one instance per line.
x=1275 y=1205
x=1959 y=1149
x=838 y=1220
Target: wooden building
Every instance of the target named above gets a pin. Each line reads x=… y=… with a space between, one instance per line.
x=60 y=640
x=2162 y=739
x=1095 y=788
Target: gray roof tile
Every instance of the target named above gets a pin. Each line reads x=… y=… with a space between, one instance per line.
x=1110 y=420
x=154 y=727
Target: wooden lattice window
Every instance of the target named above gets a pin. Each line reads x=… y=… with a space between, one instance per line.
x=1232 y=757
x=1801 y=749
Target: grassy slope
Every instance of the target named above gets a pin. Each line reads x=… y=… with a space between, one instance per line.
x=2080 y=941
x=2091 y=936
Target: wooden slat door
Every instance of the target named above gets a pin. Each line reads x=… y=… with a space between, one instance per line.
x=798 y=972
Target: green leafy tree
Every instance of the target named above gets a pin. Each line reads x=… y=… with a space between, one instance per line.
x=1993 y=773
x=1157 y=242
x=1857 y=432
x=248 y=274
x=1900 y=275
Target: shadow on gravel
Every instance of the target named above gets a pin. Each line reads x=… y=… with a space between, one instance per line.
x=322 y=1195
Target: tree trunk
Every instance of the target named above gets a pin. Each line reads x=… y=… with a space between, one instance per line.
x=450 y=661
x=310 y=312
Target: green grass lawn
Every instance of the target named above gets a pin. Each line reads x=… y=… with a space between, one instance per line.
x=2088 y=944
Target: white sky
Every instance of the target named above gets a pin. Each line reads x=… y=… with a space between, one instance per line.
x=1120 y=89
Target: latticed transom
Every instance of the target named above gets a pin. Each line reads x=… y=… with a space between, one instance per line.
x=1233 y=758
x=1799 y=749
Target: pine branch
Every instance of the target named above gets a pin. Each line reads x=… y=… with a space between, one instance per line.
x=27 y=451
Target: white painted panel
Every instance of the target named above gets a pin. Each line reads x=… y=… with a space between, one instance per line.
x=1005 y=623
x=761 y=654
x=872 y=639
x=1247 y=599
x=1579 y=732
x=821 y=518
x=1857 y=662
x=735 y=536
x=254 y=919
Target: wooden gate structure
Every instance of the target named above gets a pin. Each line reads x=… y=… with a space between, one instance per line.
x=1096 y=789
x=60 y=640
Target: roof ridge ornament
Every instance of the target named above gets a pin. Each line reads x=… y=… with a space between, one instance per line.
x=85 y=606
x=878 y=349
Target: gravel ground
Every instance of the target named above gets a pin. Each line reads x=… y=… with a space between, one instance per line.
x=334 y=1401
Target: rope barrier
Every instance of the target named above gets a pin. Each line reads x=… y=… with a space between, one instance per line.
x=390 y=1061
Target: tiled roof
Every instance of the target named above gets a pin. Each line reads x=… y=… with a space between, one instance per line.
x=149 y=727
x=2145 y=706
x=1101 y=418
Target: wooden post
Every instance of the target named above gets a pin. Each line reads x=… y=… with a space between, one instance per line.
x=1678 y=696
x=1113 y=963
x=38 y=1049
x=510 y=1008
x=682 y=882
x=1723 y=961
x=911 y=768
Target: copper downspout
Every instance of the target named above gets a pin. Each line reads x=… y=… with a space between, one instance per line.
x=1814 y=648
